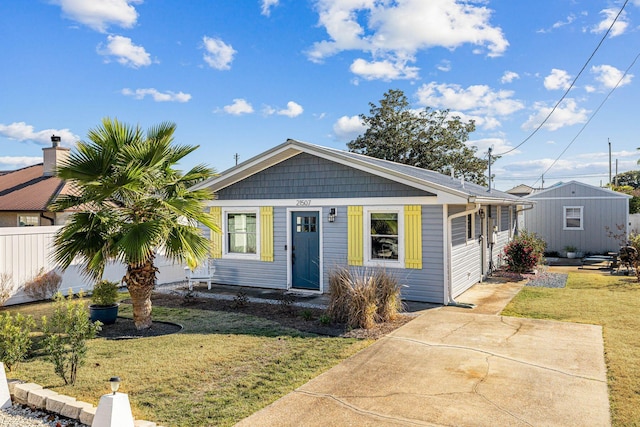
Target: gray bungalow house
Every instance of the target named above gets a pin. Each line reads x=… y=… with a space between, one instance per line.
x=295 y=212
x=577 y=214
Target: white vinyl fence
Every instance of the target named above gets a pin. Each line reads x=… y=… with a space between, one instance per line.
x=24 y=251
x=634 y=223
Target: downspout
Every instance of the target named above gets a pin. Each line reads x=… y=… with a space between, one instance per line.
x=51 y=220
x=449 y=288
x=525 y=208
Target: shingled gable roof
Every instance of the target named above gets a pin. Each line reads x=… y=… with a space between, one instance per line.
x=424 y=179
x=27 y=189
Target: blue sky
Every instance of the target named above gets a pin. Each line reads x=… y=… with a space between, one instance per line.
x=242 y=76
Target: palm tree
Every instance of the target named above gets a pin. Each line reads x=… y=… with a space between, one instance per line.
x=130 y=203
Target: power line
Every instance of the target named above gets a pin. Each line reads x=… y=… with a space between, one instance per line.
x=592 y=116
x=570 y=86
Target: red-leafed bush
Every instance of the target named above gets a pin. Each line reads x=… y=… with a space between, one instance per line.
x=524 y=252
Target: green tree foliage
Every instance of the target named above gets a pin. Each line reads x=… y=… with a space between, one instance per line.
x=429 y=139
x=630 y=178
x=131 y=201
x=15 y=340
x=66 y=335
x=634 y=202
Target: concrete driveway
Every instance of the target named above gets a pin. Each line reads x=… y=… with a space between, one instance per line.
x=455 y=367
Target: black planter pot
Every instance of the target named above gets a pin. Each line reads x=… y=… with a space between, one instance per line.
x=106 y=314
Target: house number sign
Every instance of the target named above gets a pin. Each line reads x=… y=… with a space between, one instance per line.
x=303 y=202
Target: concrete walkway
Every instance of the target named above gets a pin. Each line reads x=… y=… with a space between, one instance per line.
x=460 y=367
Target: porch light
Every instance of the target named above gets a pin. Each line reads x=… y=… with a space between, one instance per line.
x=115 y=384
x=332 y=214
x=481 y=212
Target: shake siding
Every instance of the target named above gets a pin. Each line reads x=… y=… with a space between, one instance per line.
x=305 y=176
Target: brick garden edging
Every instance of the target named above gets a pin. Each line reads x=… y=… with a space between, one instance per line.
x=37 y=397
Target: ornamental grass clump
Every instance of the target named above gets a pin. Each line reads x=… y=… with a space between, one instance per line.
x=361 y=298
x=524 y=252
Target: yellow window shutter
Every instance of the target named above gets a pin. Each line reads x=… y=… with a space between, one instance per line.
x=354 y=235
x=266 y=233
x=413 y=237
x=216 y=236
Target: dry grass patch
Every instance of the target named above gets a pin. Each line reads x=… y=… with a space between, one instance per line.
x=610 y=301
x=221 y=368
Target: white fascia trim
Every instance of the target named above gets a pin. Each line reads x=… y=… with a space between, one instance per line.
x=316 y=203
x=584 y=198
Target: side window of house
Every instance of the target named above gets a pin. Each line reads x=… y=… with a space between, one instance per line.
x=28 y=220
x=573 y=217
x=470 y=227
x=241 y=233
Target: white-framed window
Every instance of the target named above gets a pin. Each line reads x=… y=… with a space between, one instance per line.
x=241 y=233
x=470 y=226
x=573 y=218
x=28 y=220
x=384 y=236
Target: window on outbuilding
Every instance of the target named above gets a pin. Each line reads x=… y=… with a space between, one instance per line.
x=573 y=218
x=28 y=220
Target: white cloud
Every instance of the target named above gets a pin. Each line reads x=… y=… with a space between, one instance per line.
x=383 y=70
x=558 y=79
x=267 y=5
x=566 y=114
x=218 y=55
x=293 y=110
x=509 y=76
x=127 y=53
x=348 y=128
x=157 y=95
x=100 y=14
x=609 y=76
x=239 y=107
x=445 y=65
x=498 y=145
x=18 y=162
x=480 y=102
x=393 y=32
x=609 y=15
x=20 y=131
x=559 y=24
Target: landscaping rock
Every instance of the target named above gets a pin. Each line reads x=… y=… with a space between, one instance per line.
x=38 y=398
x=21 y=392
x=144 y=423
x=12 y=385
x=87 y=414
x=56 y=403
x=73 y=409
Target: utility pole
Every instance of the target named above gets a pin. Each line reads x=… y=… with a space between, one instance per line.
x=542 y=181
x=236 y=156
x=489 y=189
x=609 y=162
x=616 y=172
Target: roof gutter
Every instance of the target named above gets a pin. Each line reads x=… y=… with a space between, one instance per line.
x=449 y=247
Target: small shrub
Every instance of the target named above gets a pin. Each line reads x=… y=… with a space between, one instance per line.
x=361 y=299
x=6 y=288
x=286 y=302
x=306 y=314
x=241 y=300
x=325 y=319
x=66 y=335
x=43 y=286
x=105 y=293
x=15 y=340
x=524 y=252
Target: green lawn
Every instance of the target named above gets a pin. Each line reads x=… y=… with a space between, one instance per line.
x=221 y=368
x=601 y=299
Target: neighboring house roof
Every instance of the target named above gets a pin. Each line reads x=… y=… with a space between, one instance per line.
x=521 y=190
x=589 y=189
x=461 y=191
x=27 y=189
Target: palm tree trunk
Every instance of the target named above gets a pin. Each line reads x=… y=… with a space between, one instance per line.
x=140 y=281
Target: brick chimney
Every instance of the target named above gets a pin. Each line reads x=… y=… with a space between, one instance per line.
x=53 y=156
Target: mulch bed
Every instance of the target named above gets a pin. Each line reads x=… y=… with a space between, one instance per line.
x=286 y=315
x=125 y=329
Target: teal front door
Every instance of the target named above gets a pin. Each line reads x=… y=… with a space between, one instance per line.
x=305 y=250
